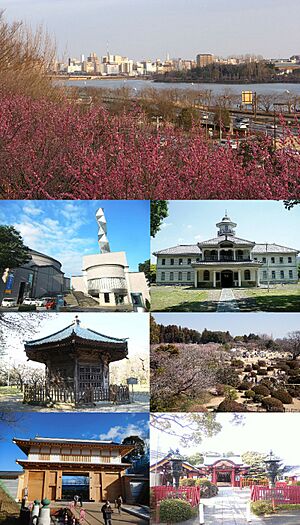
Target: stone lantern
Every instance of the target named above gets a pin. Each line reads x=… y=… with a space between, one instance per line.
x=272 y=464
x=176 y=467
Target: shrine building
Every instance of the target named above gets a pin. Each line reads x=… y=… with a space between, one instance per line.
x=77 y=357
x=223 y=471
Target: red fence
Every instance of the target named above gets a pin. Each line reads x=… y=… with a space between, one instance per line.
x=190 y=494
x=282 y=494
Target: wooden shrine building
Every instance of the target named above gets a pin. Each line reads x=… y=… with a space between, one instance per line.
x=52 y=462
x=77 y=358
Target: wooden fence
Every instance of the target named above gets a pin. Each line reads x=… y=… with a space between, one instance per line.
x=282 y=494
x=190 y=494
x=44 y=395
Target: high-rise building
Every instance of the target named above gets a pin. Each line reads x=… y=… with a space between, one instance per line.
x=204 y=59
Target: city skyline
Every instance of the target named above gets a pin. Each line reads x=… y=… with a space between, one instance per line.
x=203 y=25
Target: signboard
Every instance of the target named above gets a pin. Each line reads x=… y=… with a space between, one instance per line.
x=132 y=381
x=9 y=283
x=247 y=97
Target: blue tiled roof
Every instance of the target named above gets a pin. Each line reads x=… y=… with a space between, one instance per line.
x=76 y=329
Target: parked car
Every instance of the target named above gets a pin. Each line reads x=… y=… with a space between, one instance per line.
x=42 y=301
x=50 y=305
x=9 y=302
x=29 y=301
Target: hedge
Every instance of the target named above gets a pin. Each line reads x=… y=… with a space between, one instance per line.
x=175 y=511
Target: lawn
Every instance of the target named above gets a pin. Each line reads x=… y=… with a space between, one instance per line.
x=183 y=299
x=284 y=298
x=9 y=390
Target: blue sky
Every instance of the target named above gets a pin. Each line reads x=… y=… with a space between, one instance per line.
x=278 y=325
x=121 y=325
x=182 y=28
x=244 y=437
x=67 y=230
x=81 y=426
x=190 y=222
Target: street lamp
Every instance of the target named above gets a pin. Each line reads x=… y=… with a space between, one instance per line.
x=176 y=467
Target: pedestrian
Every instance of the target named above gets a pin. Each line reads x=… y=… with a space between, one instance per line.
x=107 y=513
x=76 y=499
x=80 y=499
x=119 y=504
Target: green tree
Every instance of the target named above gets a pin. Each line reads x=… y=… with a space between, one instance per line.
x=159 y=211
x=154 y=331
x=195 y=459
x=149 y=270
x=13 y=252
x=137 y=452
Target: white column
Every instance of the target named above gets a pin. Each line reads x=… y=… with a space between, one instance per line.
x=214 y=279
x=240 y=278
x=218 y=255
x=196 y=277
x=234 y=255
x=257 y=278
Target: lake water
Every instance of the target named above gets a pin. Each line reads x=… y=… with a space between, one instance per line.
x=138 y=85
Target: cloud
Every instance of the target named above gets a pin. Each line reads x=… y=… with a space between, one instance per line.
x=198 y=237
x=119 y=433
x=166 y=225
x=30 y=208
x=189 y=226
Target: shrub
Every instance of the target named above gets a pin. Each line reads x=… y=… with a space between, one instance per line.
x=27 y=308
x=248 y=368
x=284 y=368
x=230 y=393
x=270 y=368
x=293 y=372
x=261 y=363
x=249 y=394
x=187 y=482
x=231 y=406
x=282 y=395
x=259 y=508
x=237 y=363
x=294 y=364
x=271 y=404
x=293 y=390
x=262 y=372
x=245 y=385
x=227 y=376
x=261 y=390
x=258 y=398
x=175 y=510
x=255 y=366
x=208 y=491
x=220 y=389
x=294 y=380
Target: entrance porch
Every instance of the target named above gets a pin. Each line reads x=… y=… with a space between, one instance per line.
x=226 y=276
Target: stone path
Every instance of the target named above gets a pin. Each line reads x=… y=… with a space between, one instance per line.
x=227 y=302
x=228 y=508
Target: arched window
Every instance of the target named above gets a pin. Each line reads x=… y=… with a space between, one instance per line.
x=247 y=275
x=206 y=275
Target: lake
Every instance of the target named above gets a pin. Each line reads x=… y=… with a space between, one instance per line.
x=138 y=85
